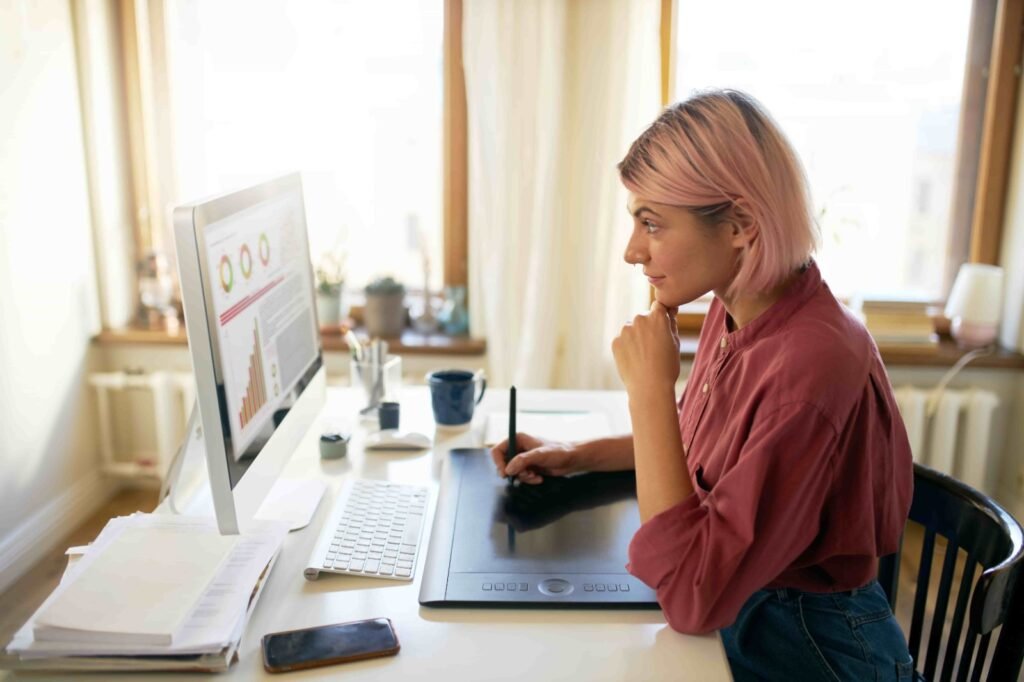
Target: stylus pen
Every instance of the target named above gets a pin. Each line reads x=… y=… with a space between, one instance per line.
x=512 y=450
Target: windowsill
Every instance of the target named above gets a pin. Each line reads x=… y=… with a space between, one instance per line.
x=944 y=354
x=411 y=342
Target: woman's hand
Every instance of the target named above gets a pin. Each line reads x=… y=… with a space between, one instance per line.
x=647 y=350
x=537 y=458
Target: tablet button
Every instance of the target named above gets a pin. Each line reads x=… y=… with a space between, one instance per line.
x=487 y=587
x=524 y=587
x=556 y=587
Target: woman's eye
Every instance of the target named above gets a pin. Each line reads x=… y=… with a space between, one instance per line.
x=649 y=227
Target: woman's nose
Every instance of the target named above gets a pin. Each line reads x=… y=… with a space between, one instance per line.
x=635 y=253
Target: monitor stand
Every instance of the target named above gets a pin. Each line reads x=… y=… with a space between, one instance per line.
x=291 y=500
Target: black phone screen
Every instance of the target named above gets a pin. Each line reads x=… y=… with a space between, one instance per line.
x=329 y=644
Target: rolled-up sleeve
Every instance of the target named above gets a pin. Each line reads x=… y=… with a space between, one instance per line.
x=705 y=558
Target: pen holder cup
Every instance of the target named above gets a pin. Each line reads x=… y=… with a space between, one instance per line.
x=377 y=382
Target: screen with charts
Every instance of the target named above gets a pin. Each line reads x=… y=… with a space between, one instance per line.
x=267 y=343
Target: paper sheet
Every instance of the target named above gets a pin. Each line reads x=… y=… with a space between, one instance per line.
x=562 y=426
x=140 y=587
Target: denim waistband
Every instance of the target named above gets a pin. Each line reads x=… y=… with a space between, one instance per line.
x=786 y=593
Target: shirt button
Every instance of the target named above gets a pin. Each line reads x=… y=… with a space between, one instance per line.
x=704 y=388
x=723 y=344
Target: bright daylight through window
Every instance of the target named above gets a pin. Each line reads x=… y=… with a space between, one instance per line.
x=346 y=91
x=873 y=117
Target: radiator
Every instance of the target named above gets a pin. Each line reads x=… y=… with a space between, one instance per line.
x=170 y=395
x=954 y=436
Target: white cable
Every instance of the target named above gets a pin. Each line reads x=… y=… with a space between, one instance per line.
x=932 y=403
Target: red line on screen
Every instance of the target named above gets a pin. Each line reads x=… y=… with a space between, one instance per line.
x=233 y=311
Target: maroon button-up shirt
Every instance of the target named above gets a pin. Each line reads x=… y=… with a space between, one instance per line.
x=799 y=460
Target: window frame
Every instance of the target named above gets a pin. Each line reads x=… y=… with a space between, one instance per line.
x=991 y=83
x=984 y=140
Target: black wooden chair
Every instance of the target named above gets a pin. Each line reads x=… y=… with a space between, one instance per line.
x=992 y=539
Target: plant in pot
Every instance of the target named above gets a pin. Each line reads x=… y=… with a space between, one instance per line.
x=330 y=285
x=385 y=307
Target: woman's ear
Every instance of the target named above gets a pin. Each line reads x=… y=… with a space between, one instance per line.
x=743 y=227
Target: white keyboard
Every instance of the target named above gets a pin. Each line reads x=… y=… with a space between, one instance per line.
x=373 y=531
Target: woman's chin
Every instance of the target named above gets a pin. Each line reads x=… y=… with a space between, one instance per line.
x=670 y=300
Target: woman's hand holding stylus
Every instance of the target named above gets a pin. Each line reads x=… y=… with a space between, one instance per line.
x=537 y=458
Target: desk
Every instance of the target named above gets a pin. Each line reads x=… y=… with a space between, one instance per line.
x=456 y=644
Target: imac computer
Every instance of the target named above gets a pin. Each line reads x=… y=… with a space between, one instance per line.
x=248 y=293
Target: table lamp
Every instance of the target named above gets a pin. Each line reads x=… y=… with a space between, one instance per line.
x=975 y=304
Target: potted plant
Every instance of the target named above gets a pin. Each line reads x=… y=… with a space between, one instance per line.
x=330 y=283
x=385 y=307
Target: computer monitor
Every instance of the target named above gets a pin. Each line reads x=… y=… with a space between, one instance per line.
x=248 y=294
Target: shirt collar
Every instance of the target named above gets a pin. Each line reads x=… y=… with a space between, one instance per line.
x=769 y=321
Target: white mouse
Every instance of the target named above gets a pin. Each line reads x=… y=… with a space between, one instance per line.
x=393 y=439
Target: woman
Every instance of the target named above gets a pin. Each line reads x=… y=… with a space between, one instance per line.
x=768 y=493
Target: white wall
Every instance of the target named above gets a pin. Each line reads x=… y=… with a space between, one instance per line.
x=47 y=286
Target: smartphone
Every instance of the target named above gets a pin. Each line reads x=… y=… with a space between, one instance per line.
x=329 y=644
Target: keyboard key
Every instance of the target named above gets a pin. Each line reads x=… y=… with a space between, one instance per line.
x=487 y=587
x=613 y=588
x=587 y=587
x=403 y=572
x=599 y=587
x=623 y=588
x=524 y=587
x=371 y=566
x=499 y=587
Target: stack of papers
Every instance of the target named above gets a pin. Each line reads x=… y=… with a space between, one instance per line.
x=152 y=592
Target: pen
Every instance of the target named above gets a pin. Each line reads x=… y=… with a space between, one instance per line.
x=512 y=450
x=353 y=345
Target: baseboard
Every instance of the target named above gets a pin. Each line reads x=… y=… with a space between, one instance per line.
x=40 y=533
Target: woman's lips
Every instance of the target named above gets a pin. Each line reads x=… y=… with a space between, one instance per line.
x=655 y=281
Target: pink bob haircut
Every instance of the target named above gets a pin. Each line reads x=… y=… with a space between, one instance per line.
x=720 y=150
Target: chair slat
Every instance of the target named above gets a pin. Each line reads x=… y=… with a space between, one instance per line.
x=967 y=655
x=924 y=572
x=939 y=617
x=956 y=627
x=979 y=659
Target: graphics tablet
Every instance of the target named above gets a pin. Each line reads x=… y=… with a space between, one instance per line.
x=560 y=545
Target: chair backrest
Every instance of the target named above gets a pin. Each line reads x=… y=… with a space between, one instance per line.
x=993 y=540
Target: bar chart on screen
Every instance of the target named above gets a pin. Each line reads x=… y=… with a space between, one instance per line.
x=255 y=395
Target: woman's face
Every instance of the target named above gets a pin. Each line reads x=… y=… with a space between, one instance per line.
x=682 y=256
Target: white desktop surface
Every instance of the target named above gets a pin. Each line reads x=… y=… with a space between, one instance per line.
x=454 y=644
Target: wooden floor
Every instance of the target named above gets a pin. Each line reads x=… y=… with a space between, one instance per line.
x=25 y=596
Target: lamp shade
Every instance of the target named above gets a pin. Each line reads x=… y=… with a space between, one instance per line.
x=975 y=304
x=977 y=294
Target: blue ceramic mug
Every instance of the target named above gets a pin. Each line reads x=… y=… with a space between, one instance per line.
x=453 y=395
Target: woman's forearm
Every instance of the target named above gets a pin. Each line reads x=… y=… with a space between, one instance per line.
x=614 y=453
x=662 y=480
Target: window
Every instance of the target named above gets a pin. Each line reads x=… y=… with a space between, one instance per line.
x=871 y=101
x=348 y=91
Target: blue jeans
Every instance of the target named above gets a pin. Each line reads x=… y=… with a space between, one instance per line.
x=792 y=635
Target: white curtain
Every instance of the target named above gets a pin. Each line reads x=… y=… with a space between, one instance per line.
x=556 y=91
